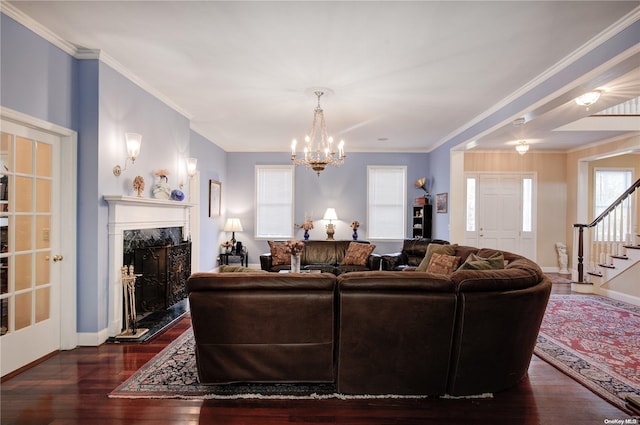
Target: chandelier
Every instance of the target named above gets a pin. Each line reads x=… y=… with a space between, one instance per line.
x=318 y=153
x=522 y=147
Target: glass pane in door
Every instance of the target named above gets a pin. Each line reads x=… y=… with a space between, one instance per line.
x=25 y=222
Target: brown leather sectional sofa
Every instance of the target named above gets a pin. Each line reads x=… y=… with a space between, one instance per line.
x=326 y=256
x=380 y=332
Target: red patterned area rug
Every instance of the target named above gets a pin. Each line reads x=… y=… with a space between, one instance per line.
x=594 y=340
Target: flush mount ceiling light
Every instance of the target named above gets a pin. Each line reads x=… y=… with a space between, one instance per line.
x=318 y=153
x=589 y=98
x=522 y=147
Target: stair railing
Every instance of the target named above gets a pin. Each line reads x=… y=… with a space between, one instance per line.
x=608 y=233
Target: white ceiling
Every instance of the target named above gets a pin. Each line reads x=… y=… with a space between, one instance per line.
x=405 y=76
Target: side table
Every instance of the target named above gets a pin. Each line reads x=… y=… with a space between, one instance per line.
x=244 y=258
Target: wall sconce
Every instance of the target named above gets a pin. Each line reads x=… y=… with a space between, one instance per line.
x=330 y=214
x=522 y=147
x=133 y=150
x=191 y=166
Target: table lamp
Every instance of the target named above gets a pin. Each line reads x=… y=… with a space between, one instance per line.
x=233 y=225
x=330 y=214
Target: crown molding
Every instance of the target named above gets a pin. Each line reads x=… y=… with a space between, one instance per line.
x=86 y=54
x=31 y=24
x=97 y=54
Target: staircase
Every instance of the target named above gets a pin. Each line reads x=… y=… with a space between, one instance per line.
x=610 y=251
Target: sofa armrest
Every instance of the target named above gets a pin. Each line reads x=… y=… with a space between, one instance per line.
x=265 y=261
x=393 y=261
x=374 y=261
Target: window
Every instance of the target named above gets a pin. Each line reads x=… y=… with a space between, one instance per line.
x=386 y=202
x=471 y=205
x=609 y=184
x=274 y=201
x=527 y=204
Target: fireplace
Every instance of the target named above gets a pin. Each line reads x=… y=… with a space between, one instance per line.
x=163 y=261
x=128 y=213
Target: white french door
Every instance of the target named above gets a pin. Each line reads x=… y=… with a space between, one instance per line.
x=30 y=256
x=500 y=211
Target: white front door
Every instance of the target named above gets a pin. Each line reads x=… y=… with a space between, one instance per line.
x=500 y=212
x=30 y=254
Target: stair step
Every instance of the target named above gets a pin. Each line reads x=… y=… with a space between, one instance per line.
x=632 y=246
x=595 y=274
x=620 y=257
x=607 y=266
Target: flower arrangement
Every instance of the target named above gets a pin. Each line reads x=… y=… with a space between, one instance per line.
x=355 y=224
x=295 y=247
x=307 y=225
x=162 y=172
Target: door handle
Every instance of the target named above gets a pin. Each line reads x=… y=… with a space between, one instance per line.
x=57 y=258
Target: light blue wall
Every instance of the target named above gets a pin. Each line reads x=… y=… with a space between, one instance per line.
x=212 y=165
x=89 y=225
x=343 y=188
x=36 y=77
x=440 y=166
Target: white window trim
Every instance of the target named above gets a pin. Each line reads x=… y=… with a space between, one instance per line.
x=256 y=185
x=403 y=168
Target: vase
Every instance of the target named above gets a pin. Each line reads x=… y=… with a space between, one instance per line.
x=355 y=234
x=177 y=195
x=306 y=235
x=162 y=190
x=295 y=263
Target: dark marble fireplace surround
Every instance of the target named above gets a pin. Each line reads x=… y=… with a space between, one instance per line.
x=163 y=260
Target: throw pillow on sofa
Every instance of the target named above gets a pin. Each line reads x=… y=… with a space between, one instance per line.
x=475 y=262
x=280 y=253
x=357 y=254
x=443 y=264
x=433 y=249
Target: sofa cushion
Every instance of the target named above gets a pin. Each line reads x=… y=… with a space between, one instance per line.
x=435 y=248
x=280 y=253
x=238 y=269
x=443 y=264
x=476 y=262
x=357 y=254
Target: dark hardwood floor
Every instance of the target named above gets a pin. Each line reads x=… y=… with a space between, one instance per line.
x=71 y=388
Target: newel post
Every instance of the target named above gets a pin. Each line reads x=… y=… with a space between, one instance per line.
x=580 y=252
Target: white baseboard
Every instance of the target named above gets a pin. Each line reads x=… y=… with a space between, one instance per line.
x=93 y=339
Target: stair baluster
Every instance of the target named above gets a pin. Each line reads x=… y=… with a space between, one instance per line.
x=605 y=232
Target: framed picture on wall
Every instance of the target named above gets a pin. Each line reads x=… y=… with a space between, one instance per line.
x=215 y=198
x=441 y=202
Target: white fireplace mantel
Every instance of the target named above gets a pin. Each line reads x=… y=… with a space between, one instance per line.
x=132 y=213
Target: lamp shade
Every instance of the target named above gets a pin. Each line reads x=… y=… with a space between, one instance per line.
x=330 y=214
x=134 y=140
x=192 y=163
x=233 y=225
